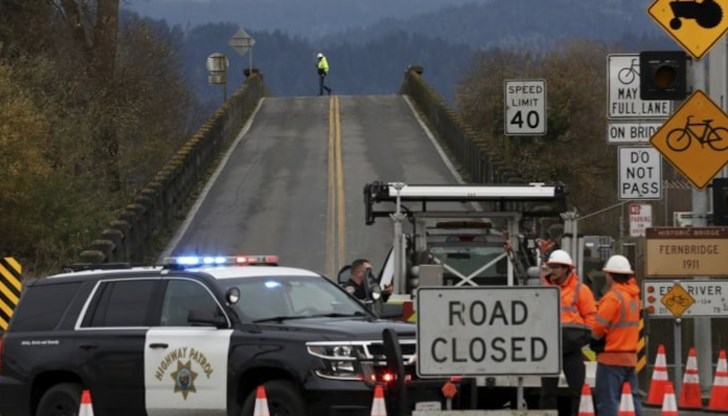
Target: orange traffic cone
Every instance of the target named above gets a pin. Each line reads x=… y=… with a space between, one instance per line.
x=86 y=408
x=659 y=379
x=378 y=406
x=690 y=390
x=586 y=405
x=626 y=403
x=261 y=403
x=669 y=404
x=719 y=392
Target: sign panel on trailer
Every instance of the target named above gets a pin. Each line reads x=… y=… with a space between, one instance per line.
x=685 y=297
x=624 y=91
x=686 y=251
x=525 y=112
x=476 y=331
x=640 y=173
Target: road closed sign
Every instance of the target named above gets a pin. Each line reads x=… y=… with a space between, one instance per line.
x=481 y=331
x=640 y=173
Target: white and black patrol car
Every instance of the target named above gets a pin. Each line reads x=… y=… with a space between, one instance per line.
x=196 y=336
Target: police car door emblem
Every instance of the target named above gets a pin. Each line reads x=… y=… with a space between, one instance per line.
x=184 y=379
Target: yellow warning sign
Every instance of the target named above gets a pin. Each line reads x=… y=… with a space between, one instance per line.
x=677 y=300
x=9 y=289
x=695 y=25
x=695 y=139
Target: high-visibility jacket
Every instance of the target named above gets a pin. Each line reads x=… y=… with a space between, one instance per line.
x=323 y=65
x=578 y=307
x=618 y=316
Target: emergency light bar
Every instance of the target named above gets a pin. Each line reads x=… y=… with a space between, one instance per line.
x=551 y=199
x=192 y=261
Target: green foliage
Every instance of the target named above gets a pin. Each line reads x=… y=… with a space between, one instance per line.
x=575 y=150
x=76 y=148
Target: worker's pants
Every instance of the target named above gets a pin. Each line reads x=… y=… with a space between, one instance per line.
x=575 y=373
x=323 y=86
x=608 y=389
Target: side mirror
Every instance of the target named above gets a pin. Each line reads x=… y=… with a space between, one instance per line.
x=232 y=295
x=391 y=311
x=344 y=275
x=200 y=317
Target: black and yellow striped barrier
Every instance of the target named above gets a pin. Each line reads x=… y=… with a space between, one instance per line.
x=9 y=289
x=641 y=344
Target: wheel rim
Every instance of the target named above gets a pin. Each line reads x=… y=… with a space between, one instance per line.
x=278 y=408
x=63 y=407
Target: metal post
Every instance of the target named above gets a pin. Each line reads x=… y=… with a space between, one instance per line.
x=398 y=217
x=677 y=333
x=703 y=332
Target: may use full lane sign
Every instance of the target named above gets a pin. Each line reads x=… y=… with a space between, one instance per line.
x=479 y=331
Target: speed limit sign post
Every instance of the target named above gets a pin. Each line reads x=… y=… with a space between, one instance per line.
x=525 y=102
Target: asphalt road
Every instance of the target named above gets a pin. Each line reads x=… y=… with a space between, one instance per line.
x=293 y=183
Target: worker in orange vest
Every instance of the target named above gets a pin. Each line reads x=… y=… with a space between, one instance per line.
x=577 y=317
x=615 y=336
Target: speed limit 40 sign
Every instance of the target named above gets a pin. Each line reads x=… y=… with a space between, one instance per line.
x=525 y=102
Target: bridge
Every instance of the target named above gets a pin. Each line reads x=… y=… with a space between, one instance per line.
x=285 y=176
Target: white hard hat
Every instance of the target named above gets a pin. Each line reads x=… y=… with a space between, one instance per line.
x=319 y=55
x=560 y=257
x=618 y=264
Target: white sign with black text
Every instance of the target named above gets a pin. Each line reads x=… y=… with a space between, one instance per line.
x=633 y=132
x=525 y=112
x=710 y=297
x=623 y=89
x=479 y=331
x=640 y=173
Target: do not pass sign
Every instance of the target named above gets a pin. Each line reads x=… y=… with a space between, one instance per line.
x=640 y=173
x=478 y=331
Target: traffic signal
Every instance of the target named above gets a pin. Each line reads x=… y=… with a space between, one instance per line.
x=663 y=75
x=720 y=201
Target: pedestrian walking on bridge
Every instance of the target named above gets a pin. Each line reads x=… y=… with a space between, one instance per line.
x=322 y=66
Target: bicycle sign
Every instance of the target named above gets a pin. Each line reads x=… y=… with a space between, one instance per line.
x=695 y=25
x=686 y=298
x=695 y=139
x=624 y=91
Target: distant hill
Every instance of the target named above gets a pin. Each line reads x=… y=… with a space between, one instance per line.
x=371 y=42
x=520 y=23
x=310 y=19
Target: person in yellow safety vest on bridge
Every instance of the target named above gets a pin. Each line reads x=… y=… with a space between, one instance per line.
x=322 y=65
x=616 y=334
x=578 y=309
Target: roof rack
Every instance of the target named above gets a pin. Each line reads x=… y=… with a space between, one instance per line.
x=79 y=267
x=530 y=200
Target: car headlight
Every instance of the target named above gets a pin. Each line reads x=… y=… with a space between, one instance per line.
x=341 y=360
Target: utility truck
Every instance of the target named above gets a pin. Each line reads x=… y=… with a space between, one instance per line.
x=469 y=236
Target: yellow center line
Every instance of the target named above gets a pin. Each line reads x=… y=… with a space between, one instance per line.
x=340 y=211
x=331 y=198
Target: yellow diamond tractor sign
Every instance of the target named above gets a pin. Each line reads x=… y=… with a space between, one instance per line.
x=695 y=139
x=696 y=25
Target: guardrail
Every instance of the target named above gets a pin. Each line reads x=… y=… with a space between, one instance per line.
x=131 y=236
x=475 y=161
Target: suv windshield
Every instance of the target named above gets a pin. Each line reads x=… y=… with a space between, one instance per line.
x=291 y=297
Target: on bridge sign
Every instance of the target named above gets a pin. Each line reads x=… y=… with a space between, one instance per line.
x=525 y=102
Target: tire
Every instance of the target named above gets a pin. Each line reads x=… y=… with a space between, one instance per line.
x=284 y=399
x=678 y=139
x=718 y=139
x=63 y=399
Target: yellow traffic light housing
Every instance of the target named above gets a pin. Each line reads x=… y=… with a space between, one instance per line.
x=663 y=75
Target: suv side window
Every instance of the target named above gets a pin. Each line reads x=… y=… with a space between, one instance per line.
x=122 y=303
x=43 y=306
x=181 y=297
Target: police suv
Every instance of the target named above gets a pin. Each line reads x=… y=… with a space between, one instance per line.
x=196 y=336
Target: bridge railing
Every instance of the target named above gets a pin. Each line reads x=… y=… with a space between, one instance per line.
x=133 y=236
x=467 y=150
